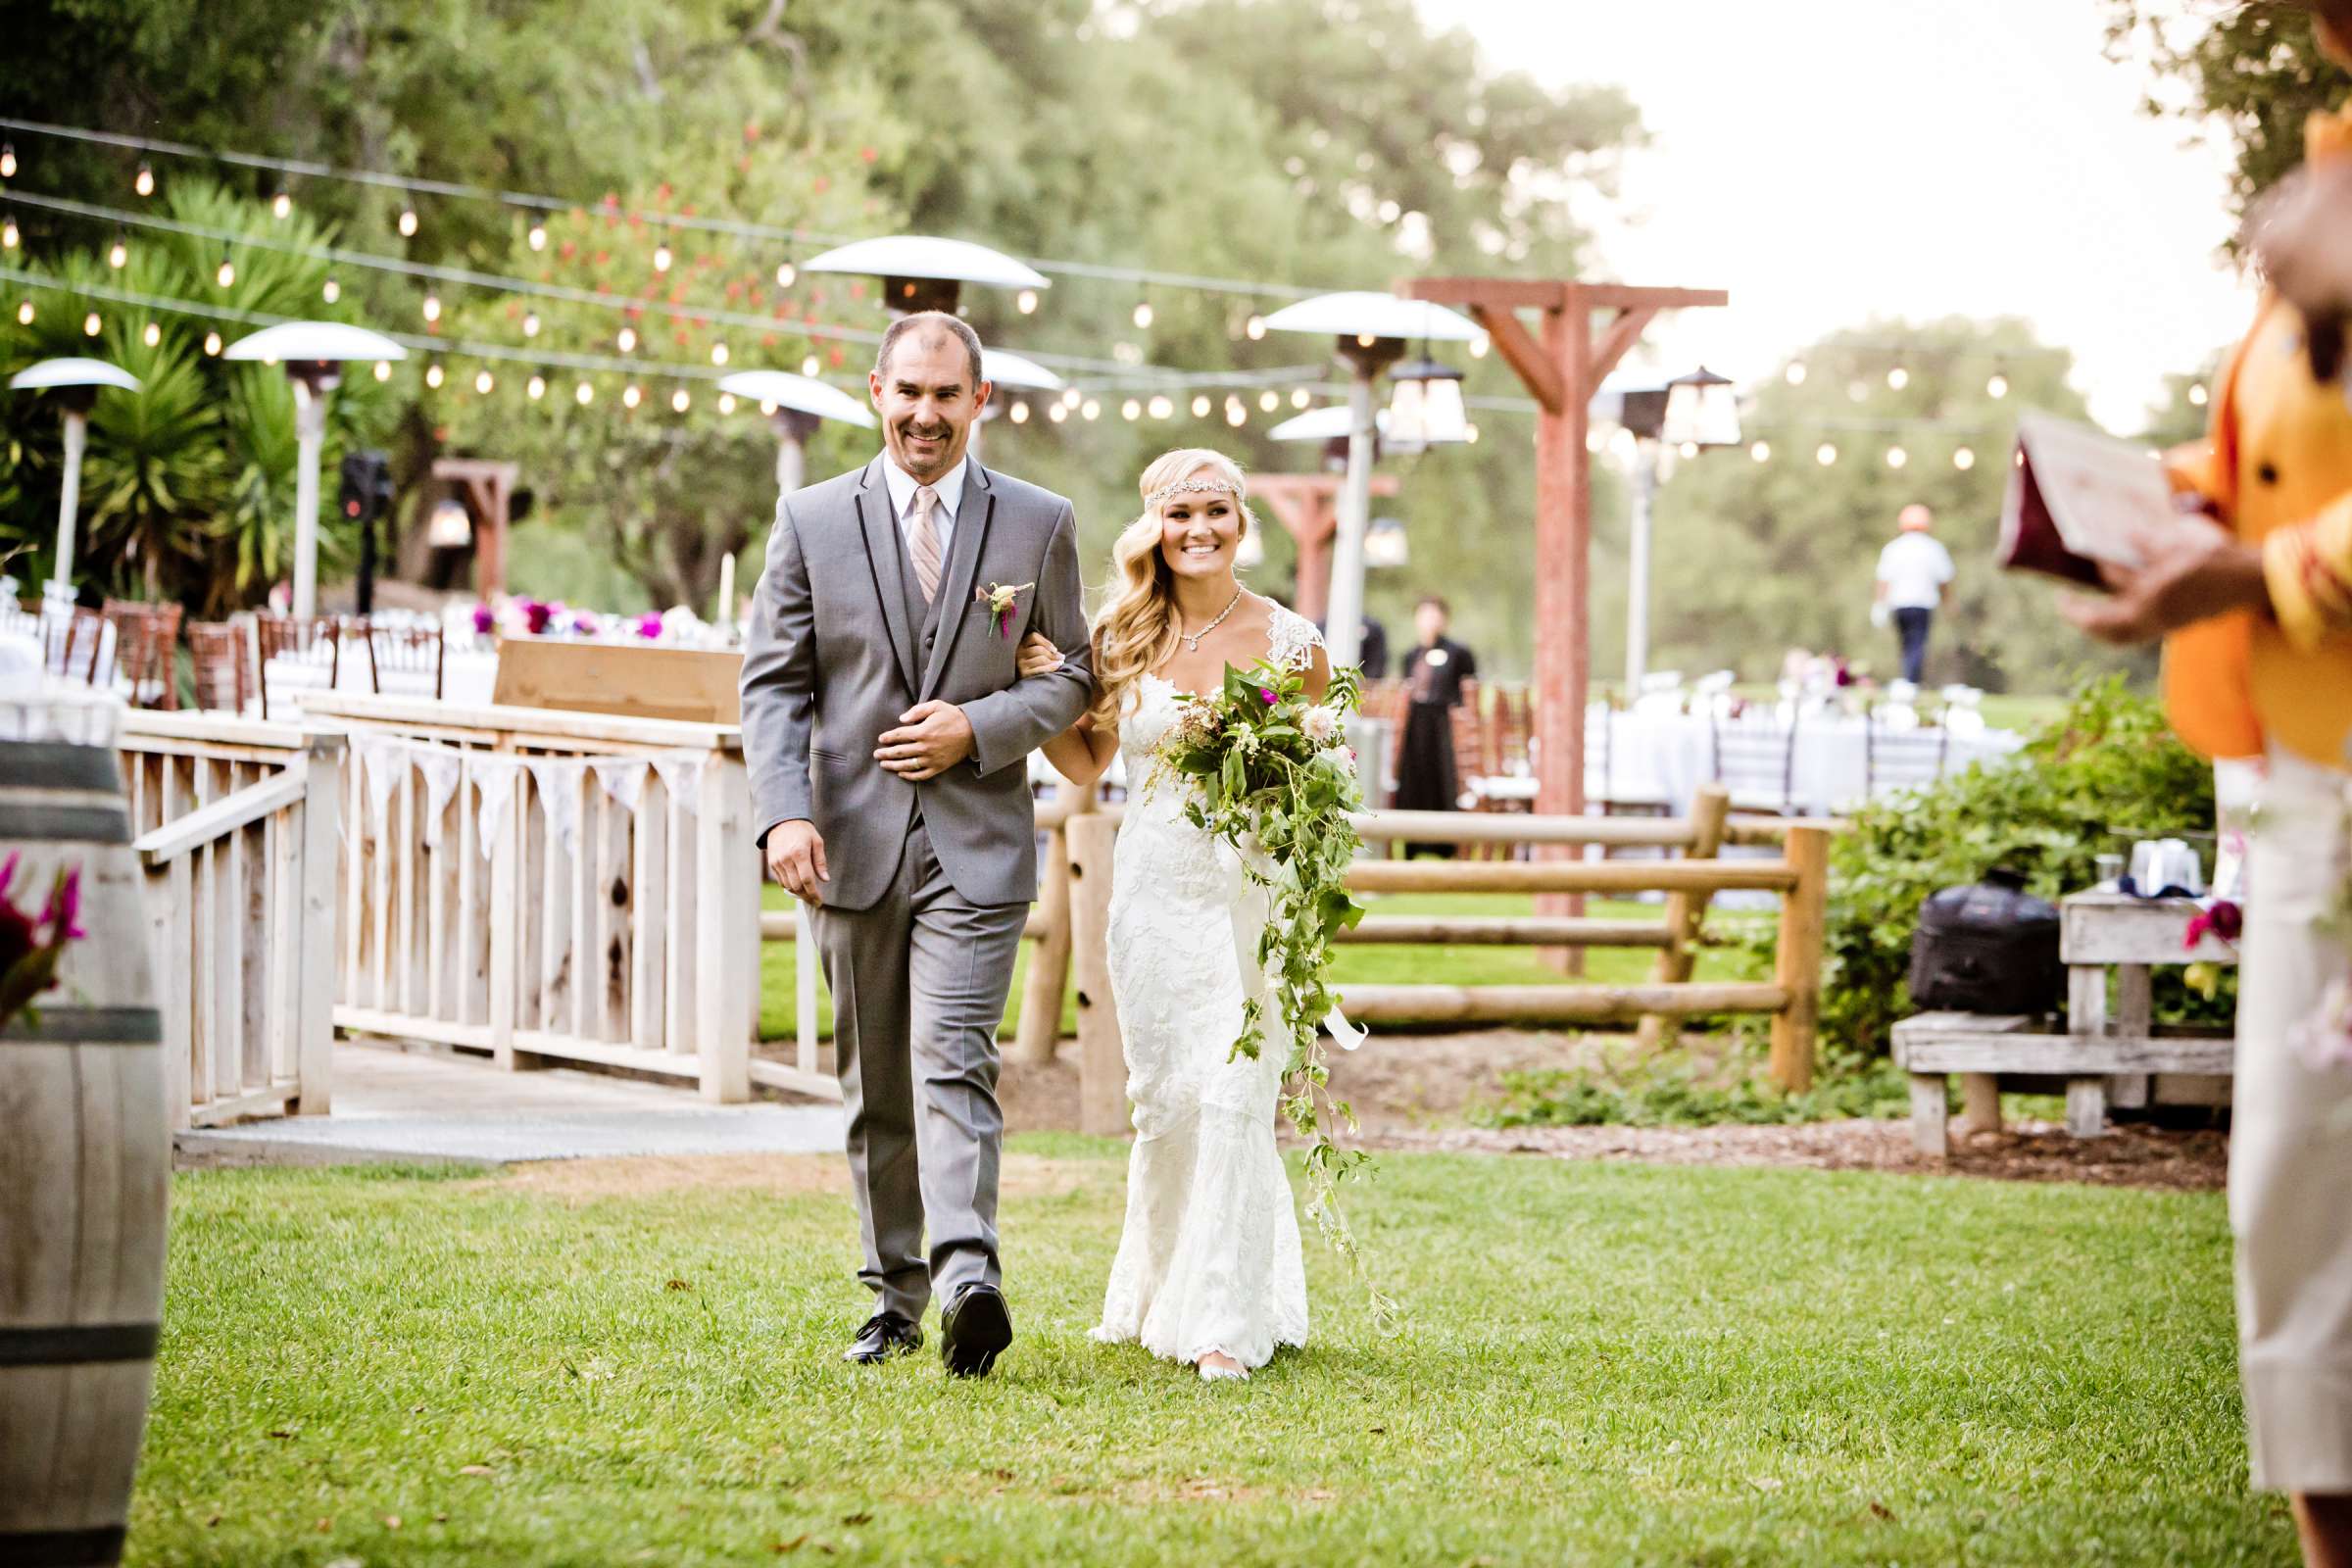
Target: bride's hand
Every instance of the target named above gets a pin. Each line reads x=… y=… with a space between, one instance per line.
x=1038 y=656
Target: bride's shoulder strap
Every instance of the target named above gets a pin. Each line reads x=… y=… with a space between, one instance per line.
x=1292 y=638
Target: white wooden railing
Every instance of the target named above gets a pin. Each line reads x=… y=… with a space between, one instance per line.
x=237 y=826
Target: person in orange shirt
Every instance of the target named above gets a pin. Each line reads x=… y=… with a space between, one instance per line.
x=2258 y=664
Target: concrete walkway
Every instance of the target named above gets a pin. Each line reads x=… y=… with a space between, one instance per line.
x=413 y=1105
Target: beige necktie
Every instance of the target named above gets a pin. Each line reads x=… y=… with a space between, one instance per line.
x=924 y=542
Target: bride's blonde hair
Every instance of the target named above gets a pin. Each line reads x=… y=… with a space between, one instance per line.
x=1136 y=631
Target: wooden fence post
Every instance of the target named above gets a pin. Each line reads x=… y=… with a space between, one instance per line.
x=1797 y=967
x=1039 y=1029
x=314 y=983
x=1686 y=912
x=1101 y=1062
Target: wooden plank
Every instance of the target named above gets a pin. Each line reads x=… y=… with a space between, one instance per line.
x=1553 y=1004
x=1634 y=296
x=1980 y=1101
x=150 y=729
x=556 y=729
x=271 y=1100
x=2116 y=928
x=2134 y=1014
x=1567 y=876
x=285 y=942
x=1103 y=1110
x=503 y=997
x=350 y=877
x=587 y=968
x=400 y=1026
x=406 y=838
x=1684 y=911
x=727 y=919
x=440 y=906
x=1931 y=1109
x=1048 y=976
x=2060 y=1056
x=168 y=913
x=617 y=910
x=1796 y=958
x=2087 y=1106
x=554 y=921
x=217 y=984
x=796 y=1080
x=683 y=937
x=471 y=941
x=258 y=874
x=1487 y=293
x=1622 y=332
x=648 y=884
x=1752 y=832
x=320 y=820
x=1504 y=931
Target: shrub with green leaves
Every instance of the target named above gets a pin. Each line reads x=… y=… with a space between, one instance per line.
x=2106 y=772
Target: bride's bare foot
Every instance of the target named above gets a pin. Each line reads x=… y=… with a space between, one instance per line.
x=1216 y=1364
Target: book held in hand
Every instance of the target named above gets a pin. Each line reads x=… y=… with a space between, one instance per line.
x=2076 y=498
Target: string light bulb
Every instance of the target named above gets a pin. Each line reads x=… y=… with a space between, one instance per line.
x=1143 y=314
x=432 y=307
x=630 y=397
x=1470 y=434
x=91 y=325
x=1689 y=449
x=383 y=370
x=1161 y=406
x=1300 y=398
x=1897 y=378
x=282 y=206
x=726 y=403
x=2196 y=394
x=661 y=257
x=680 y=401
x=117 y=255
x=143 y=181
x=153 y=335
x=1964 y=460
x=1795 y=373
x=1025 y=302
x=1269 y=400
x=1479 y=346
x=1131 y=410
x=1824 y=454
x=1201 y=406
x=1761 y=450
x=538 y=235
x=535 y=388
x=809 y=365
x=482 y=383
x=1069 y=397
x=1256 y=328
x=719 y=354
x=8 y=161
x=584 y=394
x=767 y=410
x=9 y=237
x=432 y=376
x=227 y=272
x=1235 y=415
x=1020 y=413
x=1364 y=340
x=1896 y=457
x=530 y=324
x=25 y=314
x=1998 y=386
x=1057 y=412
x=408 y=223
x=330 y=290
x=627 y=341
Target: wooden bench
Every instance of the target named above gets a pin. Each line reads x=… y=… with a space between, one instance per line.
x=2104 y=1055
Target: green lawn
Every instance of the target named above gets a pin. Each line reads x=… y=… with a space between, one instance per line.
x=1363 y=966
x=1603 y=1364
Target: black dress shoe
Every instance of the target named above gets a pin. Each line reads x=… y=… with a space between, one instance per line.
x=885 y=1334
x=974 y=1331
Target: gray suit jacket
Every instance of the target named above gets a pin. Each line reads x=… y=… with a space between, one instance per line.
x=841 y=645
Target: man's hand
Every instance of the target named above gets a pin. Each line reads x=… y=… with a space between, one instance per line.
x=932 y=737
x=796 y=859
x=2191 y=570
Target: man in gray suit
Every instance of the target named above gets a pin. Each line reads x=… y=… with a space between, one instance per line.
x=887 y=732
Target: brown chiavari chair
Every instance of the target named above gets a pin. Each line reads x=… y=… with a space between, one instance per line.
x=146 y=651
x=220 y=652
x=313 y=643
x=410 y=656
x=74 y=645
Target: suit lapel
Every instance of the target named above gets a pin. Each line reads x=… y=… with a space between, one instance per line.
x=964 y=563
x=883 y=552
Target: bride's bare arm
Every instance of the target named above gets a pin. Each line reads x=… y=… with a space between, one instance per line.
x=1082 y=753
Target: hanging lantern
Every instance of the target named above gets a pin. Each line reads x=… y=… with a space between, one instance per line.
x=1425 y=405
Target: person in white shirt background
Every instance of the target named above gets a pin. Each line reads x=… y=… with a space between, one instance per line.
x=1912 y=571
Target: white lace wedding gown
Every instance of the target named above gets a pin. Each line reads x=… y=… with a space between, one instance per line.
x=1209 y=1258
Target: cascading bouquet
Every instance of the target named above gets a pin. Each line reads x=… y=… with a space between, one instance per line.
x=1271 y=774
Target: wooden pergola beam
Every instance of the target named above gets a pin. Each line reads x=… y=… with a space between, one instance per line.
x=1307 y=506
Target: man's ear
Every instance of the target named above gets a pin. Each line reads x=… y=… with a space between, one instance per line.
x=981 y=397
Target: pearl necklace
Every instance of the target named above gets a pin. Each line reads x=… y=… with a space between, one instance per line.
x=1192 y=639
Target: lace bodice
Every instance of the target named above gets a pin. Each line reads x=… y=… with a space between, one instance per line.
x=1290 y=641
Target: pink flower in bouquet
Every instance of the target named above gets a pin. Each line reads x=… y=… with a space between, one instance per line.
x=2223 y=921
x=485 y=620
x=1267 y=692
x=649 y=625
x=536 y=616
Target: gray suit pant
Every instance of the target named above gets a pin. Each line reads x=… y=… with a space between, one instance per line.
x=919 y=982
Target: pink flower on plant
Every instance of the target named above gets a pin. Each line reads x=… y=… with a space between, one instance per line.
x=1267 y=692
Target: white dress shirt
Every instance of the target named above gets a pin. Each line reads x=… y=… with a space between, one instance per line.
x=903 y=486
x=1914 y=567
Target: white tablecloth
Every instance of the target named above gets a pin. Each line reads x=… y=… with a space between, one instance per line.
x=1666 y=756
x=467 y=676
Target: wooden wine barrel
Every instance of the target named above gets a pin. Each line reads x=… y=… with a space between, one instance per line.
x=84 y=1160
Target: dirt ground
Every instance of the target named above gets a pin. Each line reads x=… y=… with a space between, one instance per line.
x=1412 y=1092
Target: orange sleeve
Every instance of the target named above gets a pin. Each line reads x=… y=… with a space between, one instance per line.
x=2208 y=667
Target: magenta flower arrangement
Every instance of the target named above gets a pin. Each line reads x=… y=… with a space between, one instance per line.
x=485 y=620
x=649 y=625
x=30 y=945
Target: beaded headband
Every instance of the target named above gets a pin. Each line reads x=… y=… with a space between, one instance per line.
x=1212 y=485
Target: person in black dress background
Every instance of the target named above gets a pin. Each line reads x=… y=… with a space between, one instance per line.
x=1433 y=671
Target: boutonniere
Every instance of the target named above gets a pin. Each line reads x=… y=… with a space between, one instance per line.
x=999 y=598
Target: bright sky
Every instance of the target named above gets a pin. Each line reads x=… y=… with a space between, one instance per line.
x=1829 y=160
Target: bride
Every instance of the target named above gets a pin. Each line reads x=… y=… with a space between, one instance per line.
x=1209 y=1270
